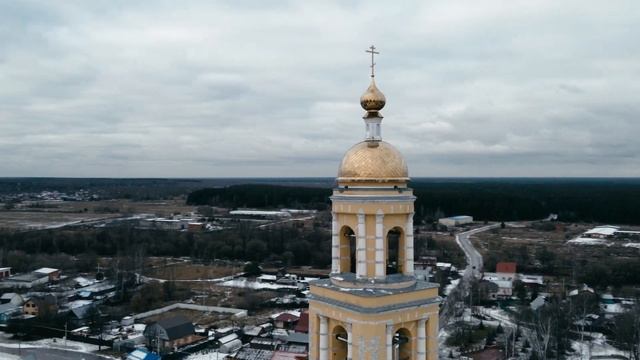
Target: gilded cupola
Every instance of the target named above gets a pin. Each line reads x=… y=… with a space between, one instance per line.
x=373 y=160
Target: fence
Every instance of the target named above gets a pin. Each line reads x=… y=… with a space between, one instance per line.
x=239 y=313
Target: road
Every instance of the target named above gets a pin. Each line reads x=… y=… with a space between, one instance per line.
x=49 y=354
x=474 y=259
x=473 y=270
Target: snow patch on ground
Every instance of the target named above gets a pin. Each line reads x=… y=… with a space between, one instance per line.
x=10 y=356
x=244 y=283
x=587 y=241
x=51 y=343
x=634 y=245
x=207 y=356
x=451 y=286
x=598 y=346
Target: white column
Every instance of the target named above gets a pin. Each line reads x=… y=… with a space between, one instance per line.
x=349 y=343
x=335 y=244
x=379 y=244
x=324 y=338
x=408 y=246
x=389 y=342
x=361 y=247
x=422 y=340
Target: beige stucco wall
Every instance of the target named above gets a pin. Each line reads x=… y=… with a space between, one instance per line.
x=369 y=331
x=369 y=328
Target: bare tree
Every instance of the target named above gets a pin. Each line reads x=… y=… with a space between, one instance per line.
x=539 y=336
x=627 y=331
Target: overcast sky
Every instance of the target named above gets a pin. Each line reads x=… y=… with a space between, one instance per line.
x=266 y=88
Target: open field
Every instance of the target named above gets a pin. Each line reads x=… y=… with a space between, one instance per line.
x=197 y=317
x=43 y=215
x=543 y=248
x=32 y=220
x=188 y=271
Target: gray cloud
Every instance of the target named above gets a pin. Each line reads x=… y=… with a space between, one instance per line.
x=254 y=89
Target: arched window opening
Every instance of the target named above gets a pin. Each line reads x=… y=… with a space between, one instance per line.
x=347 y=250
x=394 y=250
x=338 y=343
x=402 y=345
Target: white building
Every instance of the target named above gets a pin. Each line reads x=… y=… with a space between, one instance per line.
x=456 y=220
x=601 y=232
x=260 y=213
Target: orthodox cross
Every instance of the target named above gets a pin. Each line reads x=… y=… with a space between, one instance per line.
x=372 y=51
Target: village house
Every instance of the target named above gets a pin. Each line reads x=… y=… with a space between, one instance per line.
x=41 y=306
x=303 y=323
x=487 y=290
x=252 y=354
x=52 y=274
x=81 y=312
x=506 y=270
x=484 y=354
x=11 y=298
x=601 y=232
x=142 y=354
x=456 y=221
x=24 y=281
x=229 y=344
x=8 y=311
x=168 y=334
x=288 y=355
x=286 y=321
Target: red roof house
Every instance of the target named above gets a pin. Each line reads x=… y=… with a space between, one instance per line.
x=286 y=321
x=506 y=267
x=303 y=324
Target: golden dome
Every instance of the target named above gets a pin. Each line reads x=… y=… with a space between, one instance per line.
x=373 y=99
x=373 y=161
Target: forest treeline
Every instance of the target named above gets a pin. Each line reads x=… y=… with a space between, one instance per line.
x=78 y=248
x=585 y=200
x=262 y=196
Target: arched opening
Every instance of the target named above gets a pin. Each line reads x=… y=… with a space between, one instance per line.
x=347 y=250
x=402 y=345
x=395 y=250
x=338 y=343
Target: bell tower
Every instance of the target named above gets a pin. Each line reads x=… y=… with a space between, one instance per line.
x=372 y=306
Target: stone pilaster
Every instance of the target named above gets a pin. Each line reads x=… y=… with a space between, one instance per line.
x=361 y=247
x=389 y=342
x=349 y=342
x=380 y=271
x=324 y=338
x=422 y=340
x=408 y=246
x=335 y=244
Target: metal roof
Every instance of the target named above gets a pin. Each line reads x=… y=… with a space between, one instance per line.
x=177 y=327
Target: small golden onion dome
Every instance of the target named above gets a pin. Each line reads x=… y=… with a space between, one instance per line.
x=373 y=161
x=373 y=99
